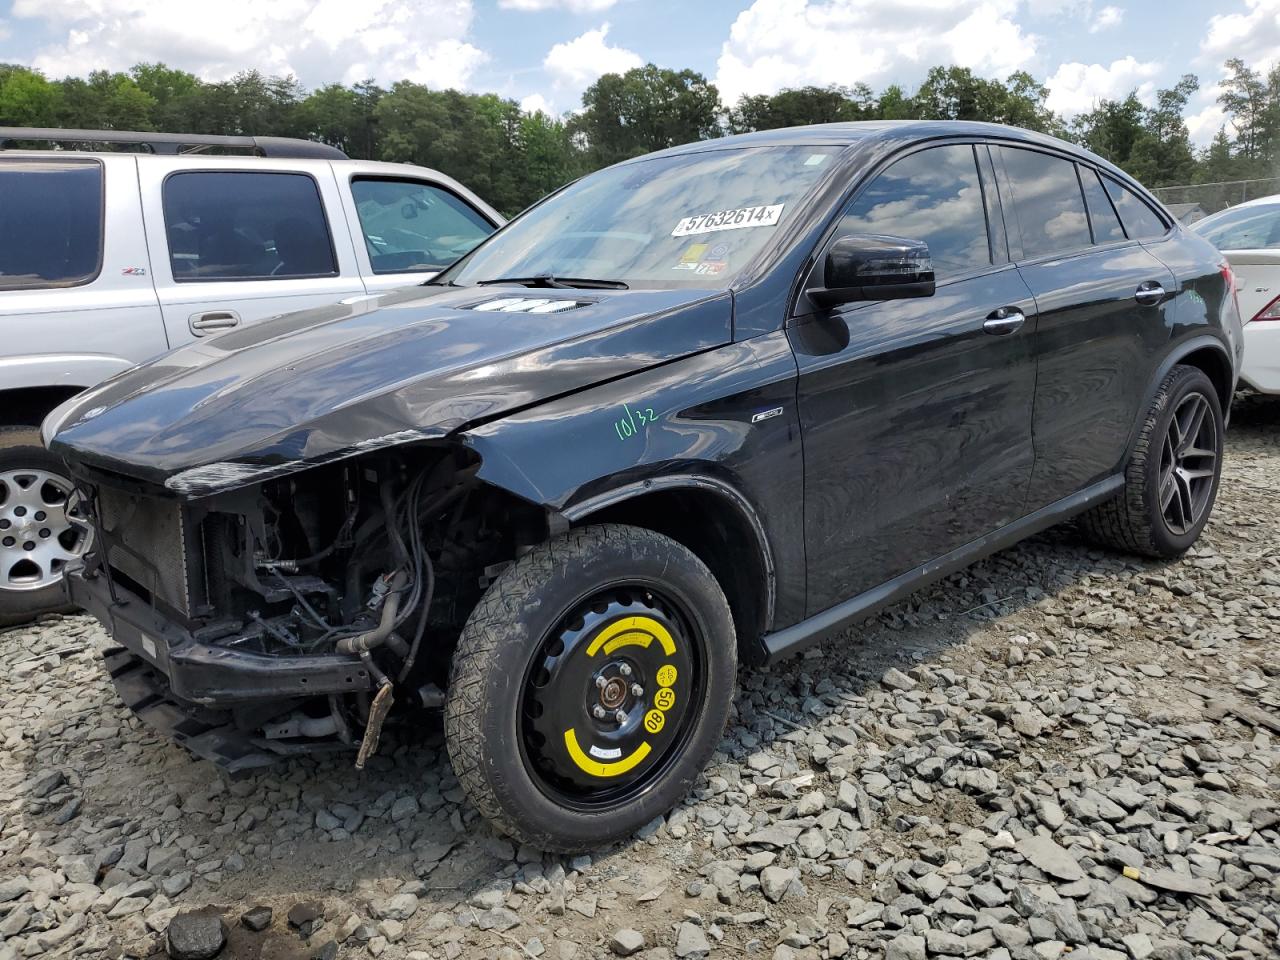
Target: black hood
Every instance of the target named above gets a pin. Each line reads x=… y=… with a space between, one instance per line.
x=414 y=364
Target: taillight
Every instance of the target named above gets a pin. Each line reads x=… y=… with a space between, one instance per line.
x=1270 y=312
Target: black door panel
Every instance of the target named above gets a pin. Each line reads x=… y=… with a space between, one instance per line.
x=1096 y=346
x=917 y=430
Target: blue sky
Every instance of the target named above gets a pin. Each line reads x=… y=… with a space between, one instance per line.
x=545 y=52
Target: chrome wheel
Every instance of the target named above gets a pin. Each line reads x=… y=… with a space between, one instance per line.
x=1188 y=464
x=40 y=528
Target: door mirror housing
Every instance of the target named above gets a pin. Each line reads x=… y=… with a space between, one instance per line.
x=871 y=267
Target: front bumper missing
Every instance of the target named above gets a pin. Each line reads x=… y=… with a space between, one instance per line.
x=204 y=673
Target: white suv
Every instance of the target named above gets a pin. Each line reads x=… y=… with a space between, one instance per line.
x=110 y=258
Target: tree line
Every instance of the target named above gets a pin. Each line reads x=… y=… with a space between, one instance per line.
x=512 y=157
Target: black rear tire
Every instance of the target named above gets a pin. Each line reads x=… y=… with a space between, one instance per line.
x=20 y=448
x=503 y=763
x=1137 y=520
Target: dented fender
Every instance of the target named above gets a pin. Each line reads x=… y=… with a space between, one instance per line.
x=723 y=421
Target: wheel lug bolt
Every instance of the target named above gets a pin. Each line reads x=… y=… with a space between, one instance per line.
x=637 y=690
x=39 y=514
x=28 y=545
x=44 y=533
x=599 y=712
x=19 y=511
x=4 y=524
x=625 y=669
x=7 y=541
x=620 y=716
x=601 y=683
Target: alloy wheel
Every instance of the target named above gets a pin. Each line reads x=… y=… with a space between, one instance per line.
x=41 y=528
x=1188 y=464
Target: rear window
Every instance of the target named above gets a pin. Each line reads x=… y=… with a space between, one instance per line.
x=1244 y=228
x=1106 y=225
x=246 y=226
x=50 y=223
x=1140 y=221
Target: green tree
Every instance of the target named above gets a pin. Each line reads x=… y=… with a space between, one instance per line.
x=1111 y=128
x=1247 y=101
x=172 y=93
x=805 y=105
x=647 y=108
x=27 y=98
x=105 y=101
x=343 y=117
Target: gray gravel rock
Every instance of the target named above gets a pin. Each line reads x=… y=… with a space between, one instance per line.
x=195 y=936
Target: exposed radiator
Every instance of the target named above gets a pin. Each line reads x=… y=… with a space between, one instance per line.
x=154 y=543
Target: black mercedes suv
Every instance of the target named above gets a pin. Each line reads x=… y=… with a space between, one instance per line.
x=702 y=407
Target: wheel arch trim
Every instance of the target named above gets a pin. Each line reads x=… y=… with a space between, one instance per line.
x=584 y=509
x=1180 y=353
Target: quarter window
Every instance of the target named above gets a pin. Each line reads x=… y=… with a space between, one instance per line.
x=1106 y=225
x=246 y=226
x=935 y=196
x=1050 y=206
x=50 y=223
x=1140 y=221
x=413 y=226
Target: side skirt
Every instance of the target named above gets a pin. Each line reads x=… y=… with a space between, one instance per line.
x=807 y=632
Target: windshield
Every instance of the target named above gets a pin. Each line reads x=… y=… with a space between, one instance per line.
x=691 y=220
x=1243 y=228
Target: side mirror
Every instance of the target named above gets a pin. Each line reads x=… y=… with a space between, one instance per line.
x=873 y=267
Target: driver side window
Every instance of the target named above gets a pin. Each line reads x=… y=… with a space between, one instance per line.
x=410 y=226
x=935 y=196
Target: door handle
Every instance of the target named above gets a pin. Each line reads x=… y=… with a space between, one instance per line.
x=1149 y=292
x=1002 y=322
x=202 y=324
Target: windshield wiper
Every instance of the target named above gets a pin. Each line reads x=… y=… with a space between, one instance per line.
x=558 y=283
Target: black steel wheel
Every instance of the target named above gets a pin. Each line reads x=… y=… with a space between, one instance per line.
x=609 y=698
x=1171 y=478
x=590 y=687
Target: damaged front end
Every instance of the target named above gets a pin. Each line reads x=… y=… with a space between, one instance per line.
x=289 y=615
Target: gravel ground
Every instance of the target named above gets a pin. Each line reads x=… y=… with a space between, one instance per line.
x=1059 y=750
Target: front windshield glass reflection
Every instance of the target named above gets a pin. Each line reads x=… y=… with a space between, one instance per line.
x=692 y=220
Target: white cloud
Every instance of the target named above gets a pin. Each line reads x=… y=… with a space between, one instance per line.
x=1204 y=125
x=317 y=40
x=584 y=59
x=787 y=43
x=1252 y=34
x=573 y=6
x=536 y=103
x=1078 y=87
x=1106 y=18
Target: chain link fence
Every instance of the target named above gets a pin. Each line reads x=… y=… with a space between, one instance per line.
x=1198 y=200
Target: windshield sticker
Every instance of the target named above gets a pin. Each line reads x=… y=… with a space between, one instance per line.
x=710 y=267
x=692 y=254
x=765 y=215
x=816 y=159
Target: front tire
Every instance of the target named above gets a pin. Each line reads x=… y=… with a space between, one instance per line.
x=36 y=536
x=1171 y=480
x=590 y=687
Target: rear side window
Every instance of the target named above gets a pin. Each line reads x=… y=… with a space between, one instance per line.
x=934 y=196
x=1050 y=206
x=411 y=226
x=1140 y=221
x=50 y=223
x=1106 y=225
x=246 y=226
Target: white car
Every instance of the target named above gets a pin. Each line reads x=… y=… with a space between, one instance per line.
x=110 y=258
x=1249 y=235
